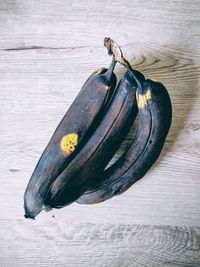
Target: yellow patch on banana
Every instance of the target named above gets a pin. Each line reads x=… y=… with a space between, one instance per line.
x=142 y=99
x=68 y=143
x=156 y=81
x=98 y=71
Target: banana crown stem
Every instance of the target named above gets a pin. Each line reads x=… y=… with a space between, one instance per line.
x=111 y=68
x=114 y=50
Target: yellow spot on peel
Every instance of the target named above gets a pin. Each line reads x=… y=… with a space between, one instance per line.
x=156 y=81
x=98 y=71
x=148 y=95
x=68 y=143
x=142 y=99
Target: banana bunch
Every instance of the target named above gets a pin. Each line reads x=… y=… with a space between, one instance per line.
x=73 y=165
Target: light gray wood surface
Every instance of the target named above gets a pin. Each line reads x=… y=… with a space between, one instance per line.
x=114 y=245
x=47 y=51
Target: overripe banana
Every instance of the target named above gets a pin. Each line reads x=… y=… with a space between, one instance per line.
x=100 y=148
x=73 y=131
x=73 y=159
x=155 y=114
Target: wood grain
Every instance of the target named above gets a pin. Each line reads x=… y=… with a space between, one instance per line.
x=85 y=244
x=47 y=51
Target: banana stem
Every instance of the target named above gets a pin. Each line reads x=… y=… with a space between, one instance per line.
x=116 y=52
x=111 y=68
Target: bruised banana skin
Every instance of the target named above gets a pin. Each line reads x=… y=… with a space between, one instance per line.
x=155 y=113
x=73 y=131
x=100 y=148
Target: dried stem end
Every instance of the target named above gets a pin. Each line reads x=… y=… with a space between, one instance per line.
x=115 y=50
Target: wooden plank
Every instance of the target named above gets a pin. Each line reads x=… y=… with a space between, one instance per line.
x=85 y=23
x=29 y=243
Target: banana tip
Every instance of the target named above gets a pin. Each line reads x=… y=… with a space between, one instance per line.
x=28 y=216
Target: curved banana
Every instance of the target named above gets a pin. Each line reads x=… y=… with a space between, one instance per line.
x=155 y=120
x=100 y=148
x=155 y=114
x=73 y=131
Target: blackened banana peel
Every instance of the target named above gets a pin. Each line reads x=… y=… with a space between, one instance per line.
x=155 y=119
x=155 y=113
x=100 y=148
x=76 y=127
x=71 y=167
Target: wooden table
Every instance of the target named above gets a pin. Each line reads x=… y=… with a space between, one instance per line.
x=47 y=51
